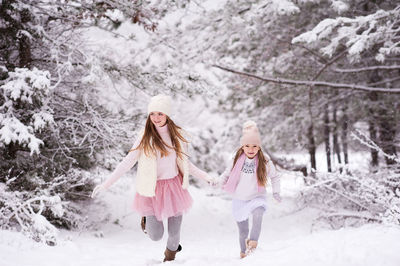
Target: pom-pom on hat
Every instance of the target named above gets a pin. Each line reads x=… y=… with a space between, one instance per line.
x=160 y=103
x=250 y=134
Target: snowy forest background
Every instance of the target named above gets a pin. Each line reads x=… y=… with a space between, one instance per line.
x=320 y=77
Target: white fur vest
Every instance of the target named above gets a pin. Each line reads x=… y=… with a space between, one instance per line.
x=146 y=178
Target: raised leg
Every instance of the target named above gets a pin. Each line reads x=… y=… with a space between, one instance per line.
x=154 y=228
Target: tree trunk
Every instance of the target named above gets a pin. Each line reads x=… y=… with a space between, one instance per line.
x=10 y=151
x=387 y=134
x=25 y=55
x=374 y=138
x=326 y=138
x=311 y=146
x=310 y=135
x=372 y=118
x=336 y=148
x=345 y=125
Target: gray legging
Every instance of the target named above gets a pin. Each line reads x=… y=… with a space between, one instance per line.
x=255 y=229
x=155 y=230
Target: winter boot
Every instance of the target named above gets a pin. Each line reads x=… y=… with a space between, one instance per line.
x=251 y=245
x=170 y=255
x=143 y=224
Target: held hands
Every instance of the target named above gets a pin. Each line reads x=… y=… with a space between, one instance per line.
x=212 y=181
x=97 y=190
x=277 y=197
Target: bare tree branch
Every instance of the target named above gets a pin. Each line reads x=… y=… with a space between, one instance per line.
x=313 y=83
x=370 y=68
x=384 y=81
x=329 y=63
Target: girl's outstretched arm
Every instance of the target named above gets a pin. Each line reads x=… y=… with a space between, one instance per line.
x=195 y=171
x=124 y=166
x=198 y=173
x=223 y=178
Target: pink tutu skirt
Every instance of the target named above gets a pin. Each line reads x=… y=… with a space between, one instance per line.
x=170 y=200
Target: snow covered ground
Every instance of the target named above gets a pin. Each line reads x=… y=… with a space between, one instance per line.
x=209 y=237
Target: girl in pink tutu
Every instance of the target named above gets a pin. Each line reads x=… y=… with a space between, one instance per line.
x=162 y=175
x=246 y=179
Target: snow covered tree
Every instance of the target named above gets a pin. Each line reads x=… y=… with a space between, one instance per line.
x=290 y=88
x=52 y=125
x=285 y=84
x=371 y=45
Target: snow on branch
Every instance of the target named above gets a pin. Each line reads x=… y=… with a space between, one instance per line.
x=359 y=196
x=283 y=7
x=28 y=214
x=324 y=84
x=24 y=84
x=13 y=130
x=29 y=88
x=339 y=6
x=365 y=140
x=36 y=213
x=357 y=34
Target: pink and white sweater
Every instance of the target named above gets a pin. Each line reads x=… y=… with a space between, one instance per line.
x=241 y=180
x=166 y=166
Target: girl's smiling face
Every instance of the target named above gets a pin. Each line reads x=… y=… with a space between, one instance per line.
x=250 y=150
x=159 y=119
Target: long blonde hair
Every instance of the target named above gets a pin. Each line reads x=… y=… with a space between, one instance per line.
x=152 y=142
x=261 y=168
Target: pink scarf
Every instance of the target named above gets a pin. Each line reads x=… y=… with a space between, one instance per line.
x=234 y=176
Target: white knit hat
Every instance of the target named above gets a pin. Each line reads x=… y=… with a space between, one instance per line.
x=250 y=134
x=160 y=103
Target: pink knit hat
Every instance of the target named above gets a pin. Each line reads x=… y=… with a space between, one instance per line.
x=250 y=134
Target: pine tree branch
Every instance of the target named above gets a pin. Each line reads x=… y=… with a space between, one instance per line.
x=313 y=83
